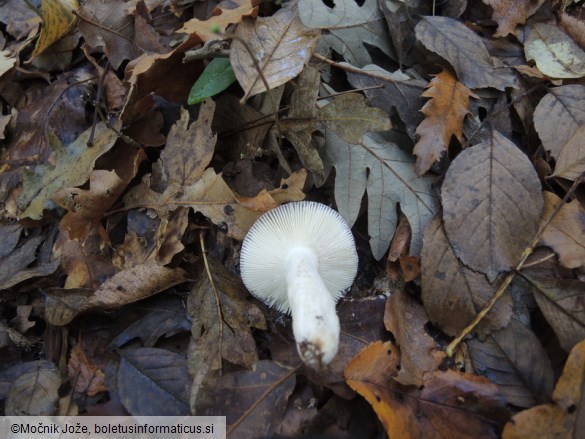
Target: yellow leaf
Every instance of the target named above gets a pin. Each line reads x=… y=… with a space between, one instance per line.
x=58 y=20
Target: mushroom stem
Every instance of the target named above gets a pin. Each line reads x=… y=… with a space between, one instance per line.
x=315 y=322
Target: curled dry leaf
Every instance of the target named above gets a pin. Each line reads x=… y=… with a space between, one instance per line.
x=510 y=13
x=450 y=404
x=514 y=359
x=564 y=234
x=444 y=113
x=282 y=45
x=562 y=419
x=555 y=53
x=492 y=203
x=452 y=293
x=465 y=51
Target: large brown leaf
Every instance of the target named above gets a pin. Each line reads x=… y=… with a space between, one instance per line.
x=514 y=359
x=465 y=51
x=444 y=113
x=451 y=292
x=492 y=203
x=571 y=160
x=511 y=13
x=282 y=45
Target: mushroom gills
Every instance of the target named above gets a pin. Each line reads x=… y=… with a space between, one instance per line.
x=315 y=322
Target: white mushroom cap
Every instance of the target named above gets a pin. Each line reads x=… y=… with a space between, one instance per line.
x=263 y=258
x=300 y=258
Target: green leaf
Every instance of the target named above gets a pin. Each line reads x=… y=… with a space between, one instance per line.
x=217 y=76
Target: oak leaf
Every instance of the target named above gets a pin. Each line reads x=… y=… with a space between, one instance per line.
x=444 y=113
x=510 y=13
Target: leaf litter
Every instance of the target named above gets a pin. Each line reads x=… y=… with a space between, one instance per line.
x=449 y=137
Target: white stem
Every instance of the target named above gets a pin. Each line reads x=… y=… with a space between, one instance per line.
x=315 y=322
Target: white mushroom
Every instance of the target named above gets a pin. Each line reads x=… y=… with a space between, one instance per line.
x=301 y=258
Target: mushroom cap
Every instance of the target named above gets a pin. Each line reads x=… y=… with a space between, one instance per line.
x=264 y=250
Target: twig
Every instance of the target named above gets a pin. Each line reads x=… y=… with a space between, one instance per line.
x=211 y=49
x=510 y=276
x=98 y=99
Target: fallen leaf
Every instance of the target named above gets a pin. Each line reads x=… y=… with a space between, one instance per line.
x=451 y=404
x=555 y=53
x=253 y=402
x=492 y=203
x=573 y=27
x=564 y=234
x=6 y=63
x=34 y=393
x=213 y=28
x=465 y=51
x=84 y=373
x=222 y=321
x=58 y=20
x=282 y=44
x=153 y=382
x=350 y=26
x=571 y=160
x=514 y=359
x=452 y=293
x=558 y=116
x=444 y=113
x=561 y=419
x=74 y=162
x=391 y=177
x=419 y=355
x=510 y=13
x=404 y=95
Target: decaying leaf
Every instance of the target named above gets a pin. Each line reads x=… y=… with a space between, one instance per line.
x=82 y=371
x=555 y=53
x=58 y=20
x=34 y=393
x=452 y=293
x=154 y=382
x=465 y=51
x=451 y=404
x=444 y=118
x=391 y=179
x=419 y=355
x=565 y=234
x=492 y=203
x=564 y=417
x=73 y=164
x=571 y=160
x=282 y=44
x=511 y=13
x=350 y=28
x=514 y=359
x=558 y=116
x=253 y=401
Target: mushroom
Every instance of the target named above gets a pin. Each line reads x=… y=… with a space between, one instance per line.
x=300 y=258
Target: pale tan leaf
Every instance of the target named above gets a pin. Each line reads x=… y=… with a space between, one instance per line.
x=555 y=53
x=281 y=44
x=510 y=13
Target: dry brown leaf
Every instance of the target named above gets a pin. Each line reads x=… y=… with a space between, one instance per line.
x=453 y=294
x=564 y=418
x=565 y=234
x=169 y=235
x=451 y=404
x=444 y=113
x=510 y=13
x=492 y=203
x=571 y=159
x=84 y=373
x=419 y=355
x=574 y=27
x=282 y=45
x=34 y=393
x=213 y=27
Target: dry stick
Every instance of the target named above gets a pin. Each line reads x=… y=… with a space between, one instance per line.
x=262 y=398
x=98 y=99
x=510 y=276
x=213 y=287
